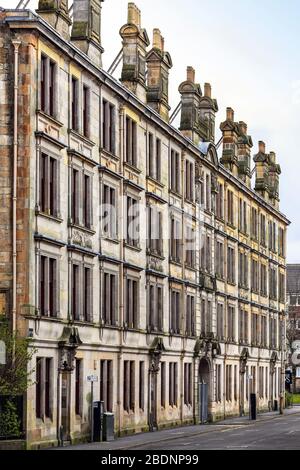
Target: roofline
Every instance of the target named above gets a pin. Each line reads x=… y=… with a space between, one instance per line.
x=70 y=49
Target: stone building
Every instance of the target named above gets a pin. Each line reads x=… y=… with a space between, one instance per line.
x=130 y=250
x=293 y=325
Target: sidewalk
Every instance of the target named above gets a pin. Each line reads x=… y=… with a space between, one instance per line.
x=136 y=440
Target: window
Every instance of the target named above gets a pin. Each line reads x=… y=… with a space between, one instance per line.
x=218 y=383
x=132 y=222
x=43 y=388
x=175 y=312
x=243 y=326
x=81 y=203
x=175 y=240
x=87 y=290
x=154 y=157
x=131 y=142
x=188 y=385
x=75 y=102
x=254 y=329
x=163 y=384
x=109 y=299
x=108 y=127
x=205 y=253
x=220 y=321
x=220 y=259
x=87 y=201
x=189 y=181
x=132 y=303
x=38 y=388
x=155 y=308
x=243 y=270
x=129 y=386
x=231 y=324
x=243 y=226
x=78 y=382
x=281 y=242
x=229 y=383
x=264 y=331
x=235 y=384
x=273 y=283
x=273 y=332
x=230 y=208
x=190 y=315
x=155 y=231
x=48 y=85
x=175 y=171
x=231 y=265
x=219 y=202
x=109 y=216
x=190 y=252
x=208 y=193
x=282 y=287
x=254 y=224
x=142 y=385
x=75 y=196
x=173 y=383
x=263 y=229
x=49 y=185
x=86 y=111
x=106 y=384
x=254 y=276
x=263 y=280
x=272 y=236
x=48 y=294
x=82 y=293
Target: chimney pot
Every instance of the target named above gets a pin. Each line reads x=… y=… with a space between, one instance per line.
x=207 y=90
x=229 y=114
x=273 y=157
x=261 y=147
x=190 y=74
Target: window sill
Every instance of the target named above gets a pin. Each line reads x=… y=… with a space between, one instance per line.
x=54 y=218
x=82 y=227
x=232 y=226
x=132 y=247
x=114 y=240
x=132 y=167
x=155 y=181
x=175 y=193
x=51 y=118
x=155 y=254
x=220 y=219
x=231 y=283
x=190 y=201
x=191 y=268
x=82 y=137
x=109 y=154
x=177 y=262
x=83 y=323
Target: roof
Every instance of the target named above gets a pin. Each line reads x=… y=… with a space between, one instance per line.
x=293 y=278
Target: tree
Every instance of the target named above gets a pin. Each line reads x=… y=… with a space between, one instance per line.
x=15 y=377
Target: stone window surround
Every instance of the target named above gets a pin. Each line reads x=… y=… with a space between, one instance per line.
x=80 y=261
x=82 y=171
x=56 y=256
x=106 y=268
x=48 y=149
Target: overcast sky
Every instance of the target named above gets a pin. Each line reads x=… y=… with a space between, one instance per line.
x=249 y=51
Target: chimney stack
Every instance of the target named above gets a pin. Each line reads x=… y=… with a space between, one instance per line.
x=86 y=30
x=261 y=147
x=190 y=101
x=274 y=173
x=135 y=43
x=244 y=146
x=207 y=90
x=159 y=63
x=231 y=132
x=56 y=13
x=190 y=74
x=229 y=114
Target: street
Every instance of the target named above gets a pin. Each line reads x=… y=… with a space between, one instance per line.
x=270 y=432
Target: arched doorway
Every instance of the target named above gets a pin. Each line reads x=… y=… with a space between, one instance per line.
x=204 y=390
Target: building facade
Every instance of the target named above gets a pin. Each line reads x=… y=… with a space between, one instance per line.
x=293 y=325
x=130 y=250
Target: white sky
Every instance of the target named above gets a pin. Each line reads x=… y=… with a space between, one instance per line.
x=249 y=51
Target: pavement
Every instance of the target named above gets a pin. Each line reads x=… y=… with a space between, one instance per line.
x=270 y=431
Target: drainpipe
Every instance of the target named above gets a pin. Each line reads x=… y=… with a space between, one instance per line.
x=16 y=45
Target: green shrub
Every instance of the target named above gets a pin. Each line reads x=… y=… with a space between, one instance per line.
x=10 y=424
